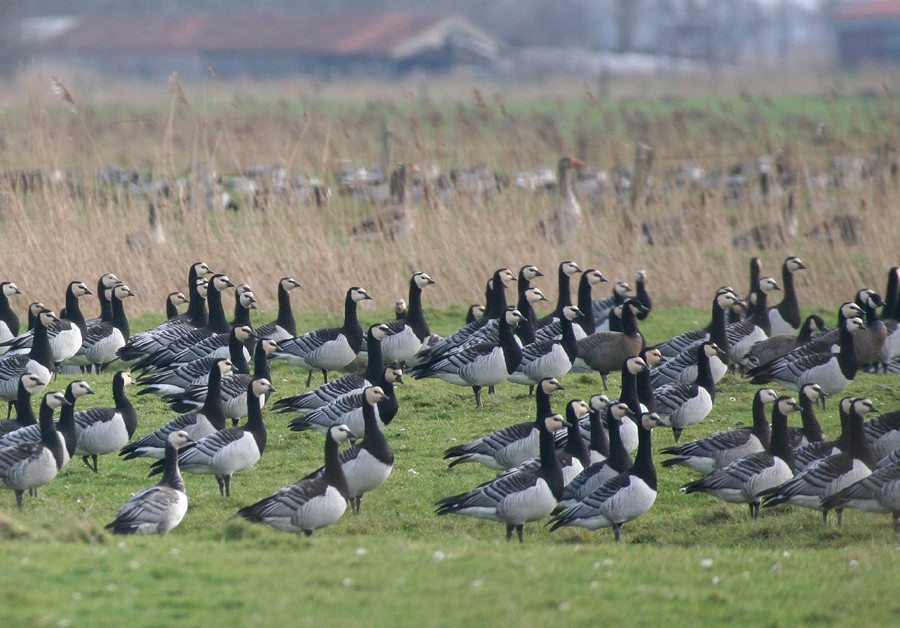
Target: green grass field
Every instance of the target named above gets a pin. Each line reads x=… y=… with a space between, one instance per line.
x=690 y=560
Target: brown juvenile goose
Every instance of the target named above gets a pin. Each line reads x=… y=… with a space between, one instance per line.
x=604 y=351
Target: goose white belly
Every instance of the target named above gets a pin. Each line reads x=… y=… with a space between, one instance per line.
x=331 y=355
x=692 y=411
x=627 y=504
x=365 y=473
x=530 y=504
x=779 y=325
x=828 y=376
x=742 y=346
x=628 y=430
x=102 y=437
x=515 y=453
x=32 y=472
x=317 y=512
x=5 y=334
x=774 y=475
x=553 y=364
x=400 y=347
x=173 y=515
x=236 y=456
x=65 y=344
x=487 y=370
x=571 y=470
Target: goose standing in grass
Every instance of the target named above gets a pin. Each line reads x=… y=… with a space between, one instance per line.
x=348 y=409
x=283 y=327
x=311 y=503
x=328 y=392
x=631 y=369
x=784 y=318
x=516 y=498
x=779 y=345
x=198 y=423
x=65 y=427
x=622 y=498
x=327 y=349
x=566 y=270
x=604 y=351
x=509 y=446
x=408 y=336
x=29 y=384
x=743 y=335
x=9 y=320
x=878 y=492
x=742 y=481
x=683 y=404
x=598 y=473
x=368 y=464
x=159 y=508
x=829 y=475
x=102 y=431
x=28 y=466
x=883 y=433
x=549 y=358
x=721 y=448
x=233 y=449
x=39 y=361
x=833 y=371
x=103 y=339
x=485 y=364
x=714 y=331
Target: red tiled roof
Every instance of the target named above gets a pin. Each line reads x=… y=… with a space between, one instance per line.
x=345 y=34
x=869 y=10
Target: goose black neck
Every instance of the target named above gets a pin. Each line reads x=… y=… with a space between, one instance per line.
x=387 y=407
x=40 y=345
x=197 y=311
x=542 y=402
x=564 y=298
x=523 y=284
x=789 y=308
x=260 y=362
x=847 y=360
x=568 y=338
x=780 y=444
x=352 y=329
x=575 y=445
x=171 y=476
x=376 y=358
x=7 y=315
x=171 y=309
x=212 y=405
x=106 y=312
x=241 y=313
x=629 y=395
x=531 y=320
x=496 y=297
x=760 y=316
x=123 y=405
x=415 y=317
x=643 y=466
x=24 y=412
x=66 y=423
x=629 y=321
x=717 y=326
x=119 y=319
x=704 y=373
x=760 y=427
x=48 y=432
x=859 y=445
x=285 y=318
x=236 y=353
x=551 y=470
x=755 y=272
x=585 y=304
x=892 y=295
x=73 y=311
x=217 y=321
x=599 y=437
x=512 y=352
x=334 y=474
x=643 y=296
x=645 y=391
x=619 y=459
x=374 y=440
x=806 y=330
x=254 y=423
x=812 y=429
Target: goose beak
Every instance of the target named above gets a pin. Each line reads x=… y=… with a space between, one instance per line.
x=822 y=400
x=351 y=437
x=399 y=379
x=538 y=273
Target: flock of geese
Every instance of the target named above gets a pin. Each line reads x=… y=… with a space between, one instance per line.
x=574 y=466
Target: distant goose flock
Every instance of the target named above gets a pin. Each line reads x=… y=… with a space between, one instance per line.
x=571 y=467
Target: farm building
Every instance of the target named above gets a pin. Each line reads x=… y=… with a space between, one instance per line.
x=868 y=32
x=151 y=47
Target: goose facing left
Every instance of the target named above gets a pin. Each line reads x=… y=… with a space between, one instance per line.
x=159 y=508
x=27 y=466
x=39 y=361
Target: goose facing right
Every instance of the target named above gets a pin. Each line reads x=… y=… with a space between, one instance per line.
x=683 y=404
x=159 y=508
x=102 y=431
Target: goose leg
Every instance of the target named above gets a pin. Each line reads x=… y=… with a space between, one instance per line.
x=509 y=530
x=234 y=422
x=309 y=379
x=19 y=499
x=519 y=529
x=325 y=375
x=824 y=517
x=603 y=377
x=896 y=515
x=616 y=530
x=754 y=510
x=676 y=431
x=9 y=409
x=221 y=485
x=227 y=479
x=840 y=516
x=477 y=391
x=491 y=390
x=86 y=460
x=531 y=391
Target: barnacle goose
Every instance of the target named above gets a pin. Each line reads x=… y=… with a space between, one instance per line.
x=878 y=492
x=743 y=480
x=348 y=409
x=604 y=351
x=810 y=430
x=564 y=298
x=585 y=324
x=103 y=339
x=217 y=345
x=29 y=384
x=743 y=335
x=784 y=318
x=715 y=330
x=603 y=308
x=484 y=364
x=683 y=368
x=368 y=464
x=683 y=404
x=597 y=473
x=106 y=430
x=175 y=380
x=631 y=369
x=159 y=508
x=209 y=418
x=598 y=438
x=510 y=445
x=327 y=349
x=234 y=386
x=516 y=498
x=475 y=312
x=525 y=330
x=883 y=433
x=549 y=358
x=284 y=326
x=400 y=309
x=173 y=300
x=810 y=453
x=779 y=345
x=641 y=293
x=721 y=448
x=833 y=370
x=106 y=282
x=624 y=497
x=39 y=361
x=311 y=503
x=355 y=382
x=244 y=301
x=65 y=426
x=408 y=335
x=829 y=475
x=233 y=449
x=891 y=319
x=9 y=321
x=27 y=466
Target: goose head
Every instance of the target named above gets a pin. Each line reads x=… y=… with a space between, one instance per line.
x=576 y=409
x=380 y=331
x=176 y=298
x=400 y=307
x=793 y=264
x=341 y=434
x=374 y=394
x=711 y=349
x=47 y=317
x=225 y=366
x=724 y=300
x=203 y=287
x=649 y=420
x=512 y=316
x=640 y=276
x=289 y=283
x=505 y=275
x=599 y=403
x=814 y=393
x=530 y=272
x=766 y=395
x=767 y=284
x=422 y=279
x=869 y=298
x=79 y=289
x=477 y=311
x=358 y=294
x=243 y=333
x=201 y=269
x=56 y=400
x=550 y=384
x=125 y=376
x=571 y=312
x=635 y=365
x=569 y=268
x=786 y=405
x=109 y=280
x=849 y=310
x=10 y=289
x=79 y=388
x=30 y=382
x=854 y=324
x=636 y=305
x=622 y=289
x=221 y=282
x=653 y=357
x=179 y=439
x=553 y=423
x=261 y=386
x=619 y=411
x=247 y=300
x=120 y=292
x=269 y=346
x=533 y=295
x=393 y=374
x=862 y=406
x=594 y=276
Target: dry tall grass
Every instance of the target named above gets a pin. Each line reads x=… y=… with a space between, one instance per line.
x=76 y=227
